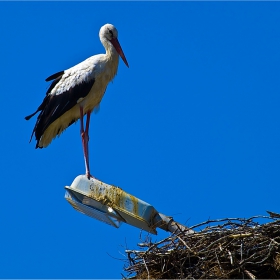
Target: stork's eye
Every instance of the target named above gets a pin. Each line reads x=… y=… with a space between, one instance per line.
x=111 y=32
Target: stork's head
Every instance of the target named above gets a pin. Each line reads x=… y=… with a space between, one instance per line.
x=109 y=32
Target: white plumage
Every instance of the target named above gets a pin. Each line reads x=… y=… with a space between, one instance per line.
x=77 y=91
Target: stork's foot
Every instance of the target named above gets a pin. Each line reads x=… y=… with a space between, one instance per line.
x=89 y=176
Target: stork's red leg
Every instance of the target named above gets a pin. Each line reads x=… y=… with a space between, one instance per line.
x=85 y=139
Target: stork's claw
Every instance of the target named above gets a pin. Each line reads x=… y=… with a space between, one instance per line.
x=89 y=176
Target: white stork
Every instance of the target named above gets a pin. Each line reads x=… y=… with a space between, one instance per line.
x=75 y=92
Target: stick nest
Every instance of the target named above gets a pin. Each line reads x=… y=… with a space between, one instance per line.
x=232 y=248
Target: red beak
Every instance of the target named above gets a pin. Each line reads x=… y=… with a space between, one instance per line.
x=118 y=48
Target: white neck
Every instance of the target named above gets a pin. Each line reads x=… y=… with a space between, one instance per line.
x=111 y=58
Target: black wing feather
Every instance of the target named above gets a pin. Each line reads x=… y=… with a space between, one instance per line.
x=54 y=76
x=57 y=79
x=54 y=106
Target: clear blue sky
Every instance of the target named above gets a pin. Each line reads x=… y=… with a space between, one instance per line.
x=192 y=127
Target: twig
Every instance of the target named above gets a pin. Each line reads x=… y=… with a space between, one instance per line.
x=251 y=275
x=146 y=268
